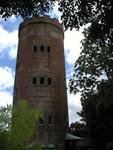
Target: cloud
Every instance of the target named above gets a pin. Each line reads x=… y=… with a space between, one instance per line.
x=10 y=19
x=6 y=78
x=13 y=52
x=5 y=98
x=55 y=13
x=6 y=85
x=74 y=106
x=72 y=51
x=72 y=45
x=8 y=43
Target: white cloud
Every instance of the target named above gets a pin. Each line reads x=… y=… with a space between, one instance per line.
x=74 y=106
x=6 y=85
x=13 y=52
x=55 y=13
x=5 y=98
x=72 y=45
x=72 y=51
x=8 y=42
x=10 y=19
x=6 y=78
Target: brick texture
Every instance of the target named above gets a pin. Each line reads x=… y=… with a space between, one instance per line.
x=36 y=63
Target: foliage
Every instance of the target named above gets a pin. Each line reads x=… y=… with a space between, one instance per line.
x=24 y=123
x=97 y=47
x=26 y=8
x=94 y=64
x=5 y=118
x=4 y=140
x=5 y=125
x=97 y=113
x=78 y=129
x=93 y=78
x=97 y=14
x=76 y=13
x=93 y=70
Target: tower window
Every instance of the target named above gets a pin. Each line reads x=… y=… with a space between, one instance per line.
x=42 y=48
x=49 y=81
x=35 y=48
x=50 y=120
x=48 y=49
x=34 y=80
x=42 y=80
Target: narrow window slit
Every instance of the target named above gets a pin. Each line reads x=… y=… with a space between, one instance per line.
x=49 y=81
x=34 y=80
x=42 y=80
x=41 y=48
x=35 y=48
x=50 y=120
x=48 y=49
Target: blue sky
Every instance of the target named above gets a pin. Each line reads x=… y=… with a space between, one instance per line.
x=8 y=52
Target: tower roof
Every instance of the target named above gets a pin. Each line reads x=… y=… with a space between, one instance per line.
x=42 y=19
x=72 y=137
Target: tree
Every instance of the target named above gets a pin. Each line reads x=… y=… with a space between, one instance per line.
x=26 y=8
x=76 y=13
x=95 y=13
x=96 y=56
x=24 y=123
x=78 y=129
x=93 y=78
x=97 y=47
x=97 y=113
x=5 y=125
x=94 y=64
x=93 y=70
x=5 y=118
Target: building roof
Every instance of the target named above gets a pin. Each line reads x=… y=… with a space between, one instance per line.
x=72 y=137
x=49 y=146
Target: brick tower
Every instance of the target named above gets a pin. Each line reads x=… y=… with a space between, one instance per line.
x=40 y=77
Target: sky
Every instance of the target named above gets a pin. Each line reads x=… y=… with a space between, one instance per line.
x=8 y=52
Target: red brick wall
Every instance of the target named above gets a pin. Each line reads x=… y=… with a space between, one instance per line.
x=47 y=98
